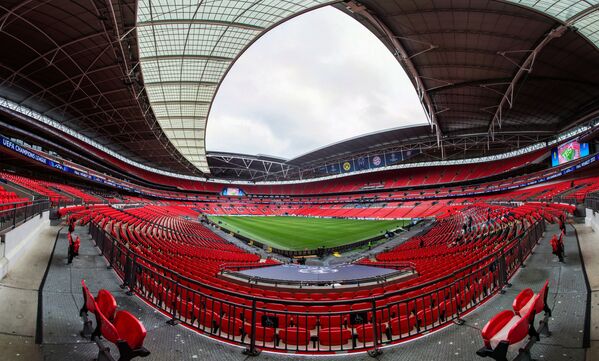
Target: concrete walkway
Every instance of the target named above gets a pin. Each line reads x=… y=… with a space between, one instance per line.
x=18 y=300
x=62 y=299
x=589 y=246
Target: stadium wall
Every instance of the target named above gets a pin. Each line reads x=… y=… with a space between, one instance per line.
x=17 y=241
x=592 y=219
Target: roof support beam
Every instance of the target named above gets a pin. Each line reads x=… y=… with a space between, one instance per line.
x=186 y=56
x=182 y=102
x=405 y=58
x=184 y=82
x=199 y=22
x=525 y=67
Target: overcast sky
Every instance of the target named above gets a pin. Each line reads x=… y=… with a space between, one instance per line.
x=316 y=79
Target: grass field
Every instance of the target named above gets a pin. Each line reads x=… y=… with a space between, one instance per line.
x=299 y=233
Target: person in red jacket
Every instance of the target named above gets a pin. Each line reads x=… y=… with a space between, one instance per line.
x=560 y=247
x=76 y=246
x=557 y=246
x=554 y=244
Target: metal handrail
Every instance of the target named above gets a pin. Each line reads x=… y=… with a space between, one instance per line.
x=14 y=216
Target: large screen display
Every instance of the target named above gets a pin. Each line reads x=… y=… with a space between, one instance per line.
x=231 y=191
x=568 y=152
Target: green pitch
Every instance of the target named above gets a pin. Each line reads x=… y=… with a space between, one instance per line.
x=299 y=233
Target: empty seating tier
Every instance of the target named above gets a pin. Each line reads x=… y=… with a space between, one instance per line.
x=174 y=264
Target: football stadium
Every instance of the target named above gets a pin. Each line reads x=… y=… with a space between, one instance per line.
x=452 y=219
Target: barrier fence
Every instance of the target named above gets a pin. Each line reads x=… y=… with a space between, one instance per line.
x=592 y=201
x=12 y=215
x=310 y=326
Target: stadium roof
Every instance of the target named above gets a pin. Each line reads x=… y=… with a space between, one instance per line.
x=485 y=66
x=187 y=47
x=373 y=142
x=74 y=62
x=139 y=77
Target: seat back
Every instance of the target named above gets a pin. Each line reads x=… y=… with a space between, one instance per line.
x=530 y=314
x=366 y=332
x=294 y=336
x=88 y=298
x=130 y=329
x=519 y=331
x=540 y=305
x=522 y=299
x=495 y=324
x=334 y=336
x=106 y=304
x=107 y=329
x=266 y=334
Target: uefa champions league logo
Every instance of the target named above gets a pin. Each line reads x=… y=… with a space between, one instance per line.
x=317 y=270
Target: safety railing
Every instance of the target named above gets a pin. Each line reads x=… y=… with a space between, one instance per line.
x=318 y=326
x=12 y=215
x=592 y=201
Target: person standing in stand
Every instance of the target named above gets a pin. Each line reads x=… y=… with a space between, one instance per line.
x=71 y=251
x=557 y=247
x=76 y=245
x=562 y=224
x=560 y=247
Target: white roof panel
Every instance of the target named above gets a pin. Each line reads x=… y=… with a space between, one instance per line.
x=186 y=48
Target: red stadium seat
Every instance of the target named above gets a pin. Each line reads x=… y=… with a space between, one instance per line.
x=127 y=333
x=334 y=336
x=365 y=333
x=428 y=317
x=402 y=325
x=231 y=326
x=263 y=334
x=122 y=328
x=526 y=299
x=104 y=302
x=206 y=319
x=294 y=336
x=506 y=332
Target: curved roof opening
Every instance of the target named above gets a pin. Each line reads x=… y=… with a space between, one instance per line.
x=318 y=78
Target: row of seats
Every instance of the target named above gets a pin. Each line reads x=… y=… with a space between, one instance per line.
x=54 y=191
x=215 y=204
x=390 y=179
x=116 y=326
x=509 y=330
x=35 y=186
x=10 y=200
x=76 y=192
